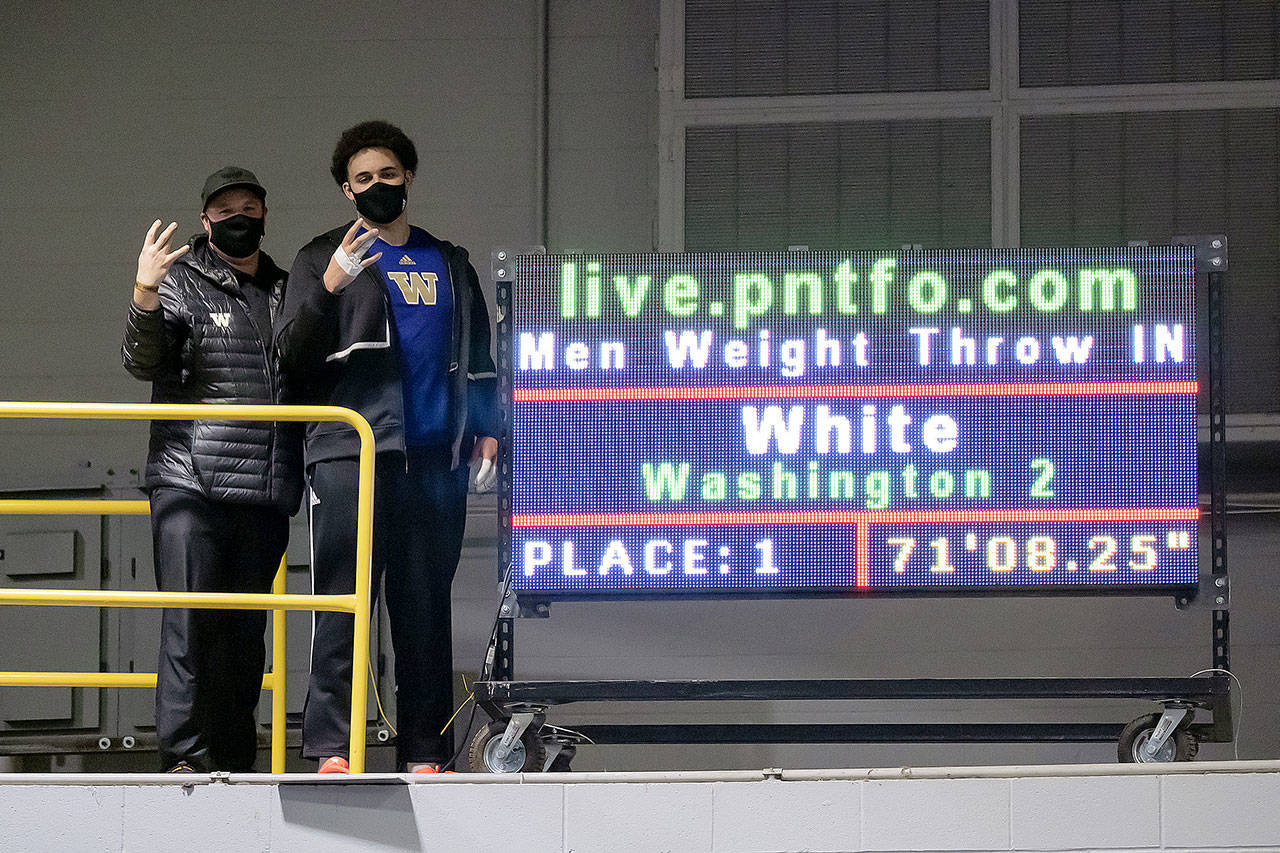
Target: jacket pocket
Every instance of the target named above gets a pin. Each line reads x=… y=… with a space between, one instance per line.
x=232 y=459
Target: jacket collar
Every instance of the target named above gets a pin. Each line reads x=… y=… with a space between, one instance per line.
x=209 y=264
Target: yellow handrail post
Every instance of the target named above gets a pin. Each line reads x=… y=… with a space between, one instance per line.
x=278 y=674
x=364 y=560
x=278 y=601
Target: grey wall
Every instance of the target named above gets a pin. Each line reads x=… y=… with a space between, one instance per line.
x=603 y=100
x=114 y=114
x=1001 y=812
x=112 y=117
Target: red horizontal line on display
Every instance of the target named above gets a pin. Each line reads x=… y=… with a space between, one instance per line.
x=852 y=517
x=791 y=392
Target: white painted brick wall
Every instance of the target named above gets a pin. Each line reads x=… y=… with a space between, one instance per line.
x=675 y=818
x=1221 y=810
x=491 y=818
x=53 y=820
x=1058 y=814
x=771 y=816
x=936 y=814
x=1217 y=812
x=165 y=818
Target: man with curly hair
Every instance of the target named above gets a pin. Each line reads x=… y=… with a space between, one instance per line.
x=384 y=318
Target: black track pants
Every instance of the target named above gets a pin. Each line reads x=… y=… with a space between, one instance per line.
x=419 y=517
x=209 y=675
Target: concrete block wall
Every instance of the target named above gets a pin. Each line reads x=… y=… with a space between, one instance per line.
x=115 y=117
x=1228 y=810
x=603 y=103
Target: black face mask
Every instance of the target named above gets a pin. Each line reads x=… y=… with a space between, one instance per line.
x=237 y=236
x=381 y=203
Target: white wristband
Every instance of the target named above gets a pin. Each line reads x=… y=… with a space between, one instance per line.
x=350 y=265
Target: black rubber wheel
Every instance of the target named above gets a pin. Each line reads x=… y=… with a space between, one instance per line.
x=527 y=754
x=1131 y=748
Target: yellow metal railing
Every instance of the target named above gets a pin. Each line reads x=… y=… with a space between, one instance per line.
x=277 y=601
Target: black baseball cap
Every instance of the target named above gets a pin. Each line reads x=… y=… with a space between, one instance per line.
x=231 y=176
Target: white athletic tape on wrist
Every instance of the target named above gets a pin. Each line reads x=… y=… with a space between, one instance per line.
x=350 y=264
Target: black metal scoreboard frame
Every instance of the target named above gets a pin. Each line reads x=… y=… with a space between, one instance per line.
x=851 y=424
x=861 y=423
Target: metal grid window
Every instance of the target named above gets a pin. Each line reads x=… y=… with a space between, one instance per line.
x=1101 y=42
x=823 y=47
x=1101 y=122
x=830 y=186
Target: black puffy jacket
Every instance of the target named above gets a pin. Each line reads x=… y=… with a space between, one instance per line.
x=202 y=346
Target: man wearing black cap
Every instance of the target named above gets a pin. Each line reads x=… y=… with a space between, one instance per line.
x=199 y=329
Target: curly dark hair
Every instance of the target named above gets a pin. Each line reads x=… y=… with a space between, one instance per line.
x=372 y=134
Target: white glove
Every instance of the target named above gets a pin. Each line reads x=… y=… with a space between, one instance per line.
x=486 y=475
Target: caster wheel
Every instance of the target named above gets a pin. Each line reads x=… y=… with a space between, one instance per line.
x=527 y=755
x=1132 y=747
x=560 y=763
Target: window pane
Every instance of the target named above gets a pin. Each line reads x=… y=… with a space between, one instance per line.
x=849 y=185
x=1110 y=179
x=1096 y=42
x=825 y=47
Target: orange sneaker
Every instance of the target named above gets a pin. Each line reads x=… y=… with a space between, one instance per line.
x=335 y=764
x=429 y=767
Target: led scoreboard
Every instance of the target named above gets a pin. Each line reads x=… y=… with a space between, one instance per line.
x=851 y=422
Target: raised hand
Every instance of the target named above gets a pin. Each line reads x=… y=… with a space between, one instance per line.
x=347 y=262
x=154 y=262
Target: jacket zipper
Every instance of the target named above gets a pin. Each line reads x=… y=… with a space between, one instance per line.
x=386 y=317
x=453 y=348
x=268 y=368
x=455 y=352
